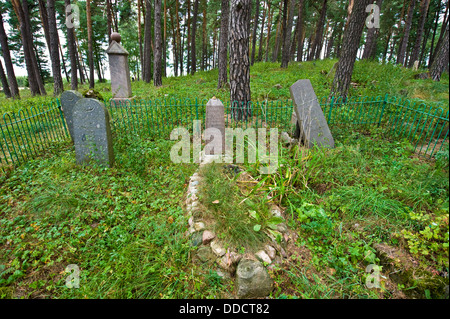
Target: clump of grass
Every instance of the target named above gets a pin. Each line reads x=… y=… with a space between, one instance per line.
x=229 y=209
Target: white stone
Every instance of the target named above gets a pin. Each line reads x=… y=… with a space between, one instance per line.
x=199 y=226
x=262 y=256
x=271 y=252
x=217 y=249
x=276 y=212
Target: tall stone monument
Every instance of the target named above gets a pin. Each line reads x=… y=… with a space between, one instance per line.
x=92 y=133
x=119 y=69
x=312 y=125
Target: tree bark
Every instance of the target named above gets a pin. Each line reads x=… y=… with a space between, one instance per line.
x=146 y=69
x=287 y=34
x=223 y=43
x=90 y=45
x=419 y=36
x=441 y=59
x=193 y=32
x=300 y=23
x=58 y=86
x=239 y=59
x=441 y=36
x=255 y=28
x=261 y=35
x=157 y=51
x=72 y=54
x=372 y=36
x=14 y=88
x=188 y=58
x=314 y=53
x=350 y=46
x=34 y=77
x=276 y=49
x=269 y=25
x=4 y=81
x=404 y=44
x=204 y=46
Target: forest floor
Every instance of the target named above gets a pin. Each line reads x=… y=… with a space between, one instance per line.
x=370 y=200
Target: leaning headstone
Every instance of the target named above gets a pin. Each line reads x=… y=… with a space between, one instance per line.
x=92 y=133
x=311 y=121
x=119 y=69
x=68 y=101
x=215 y=127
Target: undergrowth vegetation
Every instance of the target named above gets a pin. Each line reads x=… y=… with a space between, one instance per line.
x=124 y=227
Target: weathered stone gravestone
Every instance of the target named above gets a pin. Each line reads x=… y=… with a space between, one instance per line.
x=92 y=133
x=215 y=128
x=312 y=125
x=119 y=69
x=68 y=101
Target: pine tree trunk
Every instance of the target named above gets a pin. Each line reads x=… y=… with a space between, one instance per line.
x=72 y=54
x=261 y=36
x=287 y=34
x=4 y=82
x=164 y=46
x=32 y=69
x=239 y=59
x=204 y=46
x=90 y=45
x=441 y=59
x=316 y=44
x=188 y=58
x=14 y=88
x=350 y=46
x=146 y=69
x=419 y=35
x=441 y=36
x=371 y=40
x=269 y=26
x=157 y=50
x=300 y=23
x=58 y=86
x=193 y=32
x=276 y=49
x=109 y=20
x=223 y=43
x=404 y=44
x=180 y=50
x=139 y=4
x=255 y=28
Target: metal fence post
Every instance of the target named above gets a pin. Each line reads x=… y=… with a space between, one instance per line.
x=62 y=116
x=383 y=108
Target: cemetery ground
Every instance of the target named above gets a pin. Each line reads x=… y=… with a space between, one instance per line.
x=125 y=226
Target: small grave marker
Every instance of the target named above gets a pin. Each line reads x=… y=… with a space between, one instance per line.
x=68 y=101
x=92 y=133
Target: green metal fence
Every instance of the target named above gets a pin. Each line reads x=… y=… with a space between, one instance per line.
x=28 y=133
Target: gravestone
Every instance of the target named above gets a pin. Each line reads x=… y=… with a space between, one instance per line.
x=92 y=133
x=119 y=69
x=68 y=101
x=215 y=119
x=312 y=125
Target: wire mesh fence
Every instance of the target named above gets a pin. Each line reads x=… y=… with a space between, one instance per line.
x=29 y=133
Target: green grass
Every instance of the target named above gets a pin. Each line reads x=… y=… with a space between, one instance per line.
x=125 y=226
